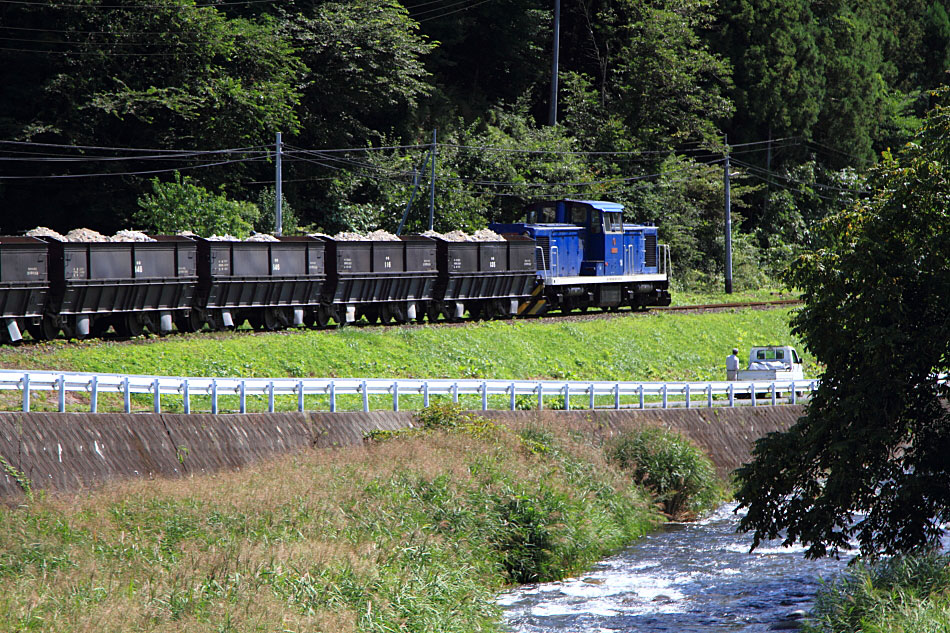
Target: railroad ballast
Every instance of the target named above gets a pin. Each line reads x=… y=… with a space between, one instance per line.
x=566 y=255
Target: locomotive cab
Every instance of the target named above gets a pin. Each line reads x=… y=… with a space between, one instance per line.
x=587 y=256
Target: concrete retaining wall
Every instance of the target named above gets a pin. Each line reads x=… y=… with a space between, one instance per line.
x=71 y=451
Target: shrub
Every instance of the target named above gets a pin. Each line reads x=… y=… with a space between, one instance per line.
x=673 y=468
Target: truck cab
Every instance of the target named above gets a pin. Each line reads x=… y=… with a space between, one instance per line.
x=772 y=362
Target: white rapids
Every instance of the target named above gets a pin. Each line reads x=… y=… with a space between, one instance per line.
x=687 y=578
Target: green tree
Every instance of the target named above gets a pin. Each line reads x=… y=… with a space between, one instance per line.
x=166 y=74
x=868 y=461
x=181 y=205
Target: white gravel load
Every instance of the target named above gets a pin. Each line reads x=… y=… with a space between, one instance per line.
x=481 y=235
x=223 y=238
x=42 y=231
x=487 y=235
x=262 y=237
x=128 y=235
x=375 y=236
x=86 y=235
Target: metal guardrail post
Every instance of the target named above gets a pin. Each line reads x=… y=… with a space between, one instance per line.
x=567 y=396
x=300 y=396
x=243 y=391
x=752 y=385
x=94 y=394
x=26 y=393
x=186 y=396
x=365 y=395
x=793 y=395
x=642 y=399
x=688 y=403
x=540 y=396
x=62 y=393
x=395 y=396
x=617 y=396
x=214 y=396
x=591 y=395
x=732 y=394
x=157 y=397
x=773 y=393
x=665 y=397
x=484 y=396
x=127 y=395
x=332 y=396
x=512 y=396
x=270 y=397
x=709 y=398
x=425 y=393
x=455 y=393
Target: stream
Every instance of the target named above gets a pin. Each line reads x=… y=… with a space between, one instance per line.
x=686 y=578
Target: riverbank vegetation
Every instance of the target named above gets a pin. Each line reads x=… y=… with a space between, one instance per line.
x=903 y=594
x=410 y=532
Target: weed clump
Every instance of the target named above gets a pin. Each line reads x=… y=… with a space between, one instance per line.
x=678 y=473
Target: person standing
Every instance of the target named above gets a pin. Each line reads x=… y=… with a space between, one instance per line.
x=732 y=365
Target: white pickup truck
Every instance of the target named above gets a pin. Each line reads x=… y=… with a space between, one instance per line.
x=772 y=362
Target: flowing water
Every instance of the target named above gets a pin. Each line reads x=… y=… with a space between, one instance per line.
x=687 y=578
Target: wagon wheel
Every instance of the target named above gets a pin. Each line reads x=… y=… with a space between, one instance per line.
x=448 y=313
x=475 y=311
x=321 y=317
x=129 y=325
x=372 y=314
x=434 y=310
x=385 y=313
x=99 y=327
x=192 y=322
x=398 y=312
x=271 y=319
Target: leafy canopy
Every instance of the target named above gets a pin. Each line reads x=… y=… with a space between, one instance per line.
x=868 y=462
x=182 y=205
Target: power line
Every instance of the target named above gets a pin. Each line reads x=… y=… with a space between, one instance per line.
x=148 y=172
x=170 y=5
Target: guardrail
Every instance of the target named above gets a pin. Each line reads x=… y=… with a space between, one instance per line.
x=616 y=395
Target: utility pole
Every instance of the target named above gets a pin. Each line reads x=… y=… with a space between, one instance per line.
x=728 y=222
x=552 y=119
x=278 y=220
x=432 y=182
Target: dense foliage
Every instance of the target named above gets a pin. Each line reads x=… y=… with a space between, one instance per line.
x=868 y=463
x=810 y=93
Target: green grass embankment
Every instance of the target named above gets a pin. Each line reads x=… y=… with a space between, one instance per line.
x=414 y=532
x=645 y=346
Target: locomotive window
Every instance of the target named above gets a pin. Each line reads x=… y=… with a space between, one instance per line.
x=579 y=215
x=613 y=222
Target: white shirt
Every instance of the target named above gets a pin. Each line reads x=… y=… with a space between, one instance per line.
x=732 y=363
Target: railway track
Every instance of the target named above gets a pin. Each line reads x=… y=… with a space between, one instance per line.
x=555 y=318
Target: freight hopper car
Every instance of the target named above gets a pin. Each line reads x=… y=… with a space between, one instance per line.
x=586 y=256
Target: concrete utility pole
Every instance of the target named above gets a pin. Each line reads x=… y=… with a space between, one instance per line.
x=552 y=119
x=432 y=182
x=728 y=222
x=278 y=220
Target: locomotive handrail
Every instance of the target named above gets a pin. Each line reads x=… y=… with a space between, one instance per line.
x=494 y=394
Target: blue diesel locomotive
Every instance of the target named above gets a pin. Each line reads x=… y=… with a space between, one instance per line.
x=588 y=257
